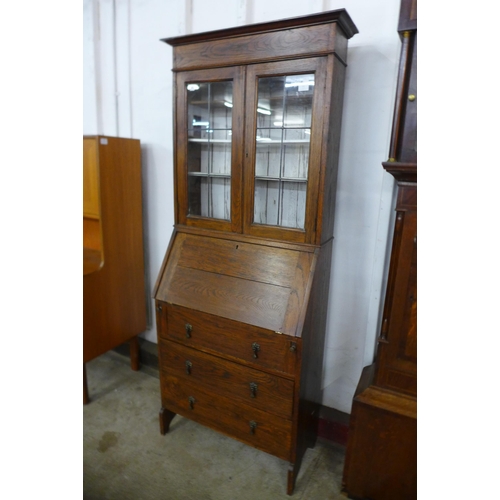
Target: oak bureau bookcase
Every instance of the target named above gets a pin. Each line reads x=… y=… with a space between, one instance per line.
x=242 y=293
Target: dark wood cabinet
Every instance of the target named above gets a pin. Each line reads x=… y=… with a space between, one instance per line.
x=241 y=296
x=381 y=456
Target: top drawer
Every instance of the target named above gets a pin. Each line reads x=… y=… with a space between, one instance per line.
x=255 y=346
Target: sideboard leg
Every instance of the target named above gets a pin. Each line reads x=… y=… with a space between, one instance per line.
x=134 y=353
x=85 y=388
x=292 y=472
x=166 y=417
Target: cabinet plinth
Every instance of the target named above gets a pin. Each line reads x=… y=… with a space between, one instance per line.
x=241 y=296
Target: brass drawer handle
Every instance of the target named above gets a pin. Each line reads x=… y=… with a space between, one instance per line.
x=293 y=346
x=189 y=365
x=255 y=349
x=189 y=329
x=253 y=389
x=159 y=307
x=253 y=426
x=191 y=402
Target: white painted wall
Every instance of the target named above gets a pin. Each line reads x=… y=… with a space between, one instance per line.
x=127 y=92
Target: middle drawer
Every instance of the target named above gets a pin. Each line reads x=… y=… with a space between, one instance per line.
x=262 y=390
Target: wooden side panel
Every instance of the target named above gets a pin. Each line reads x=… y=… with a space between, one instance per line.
x=260 y=47
x=408 y=146
x=381 y=458
x=397 y=353
x=90 y=178
x=92 y=238
x=408 y=15
x=114 y=300
x=331 y=145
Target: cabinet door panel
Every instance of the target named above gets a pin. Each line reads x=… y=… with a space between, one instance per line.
x=208 y=148
x=397 y=365
x=284 y=107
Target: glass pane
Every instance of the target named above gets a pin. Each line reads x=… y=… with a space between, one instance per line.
x=270 y=101
x=293 y=204
x=283 y=133
x=221 y=103
x=198 y=108
x=209 y=122
x=280 y=203
x=298 y=103
x=268 y=152
x=296 y=153
x=266 y=202
x=210 y=196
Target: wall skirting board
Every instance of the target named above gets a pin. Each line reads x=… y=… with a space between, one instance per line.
x=333 y=424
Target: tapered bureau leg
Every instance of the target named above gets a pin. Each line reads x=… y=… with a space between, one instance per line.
x=134 y=353
x=85 y=388
x=292 y=472
x=166 y=417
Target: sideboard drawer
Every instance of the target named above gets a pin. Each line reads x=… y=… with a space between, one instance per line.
x=264 y=431
x=257 y=346
x=237 y=382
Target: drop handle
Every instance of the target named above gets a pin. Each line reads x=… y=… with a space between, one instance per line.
x=293 y=346
x=189 y=365
x=253 y=389
x=159 y=308
x=191 y=401
x=189 y=329
x=255 y=349
x=253 y=426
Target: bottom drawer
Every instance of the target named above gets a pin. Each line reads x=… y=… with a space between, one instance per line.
x=262 y=430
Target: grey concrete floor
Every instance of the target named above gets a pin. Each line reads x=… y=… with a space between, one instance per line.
x=126 y=458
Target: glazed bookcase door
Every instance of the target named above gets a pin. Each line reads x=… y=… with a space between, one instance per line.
x=284 y=108
x=208 y=148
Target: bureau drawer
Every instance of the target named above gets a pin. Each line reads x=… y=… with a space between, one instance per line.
x=237 y=382
x=264 y=431
x=210 y=333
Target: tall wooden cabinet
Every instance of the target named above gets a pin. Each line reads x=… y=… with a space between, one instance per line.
x=114 y=295
x=381 y=456
x=241 y=296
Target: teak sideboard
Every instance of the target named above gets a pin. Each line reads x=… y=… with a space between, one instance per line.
x=241 y=298
x=114 y=293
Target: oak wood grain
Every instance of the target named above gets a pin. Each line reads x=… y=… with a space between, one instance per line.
x=229 y=379
x=217 y=335
x=114 y=301
x=272 y=433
